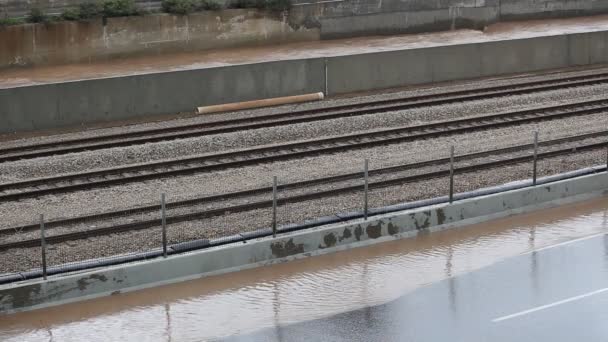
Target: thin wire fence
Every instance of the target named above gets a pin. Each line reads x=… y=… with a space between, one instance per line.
x=164 y=228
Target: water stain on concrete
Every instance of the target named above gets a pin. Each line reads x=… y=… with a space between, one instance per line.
x=426 y=221
x=440 y=216
x=392 y=229
x=84 y=282
x=345 y=235
x=330 y=240
x=358 y=232
x=21 y=297
x=281 y=249
x=374 y=231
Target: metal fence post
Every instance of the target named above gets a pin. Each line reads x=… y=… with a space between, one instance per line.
x=451 y=196
x=43 y=245
x=274 y=206
x=163 y=214
x=535 y=157
x=366 y=186
x=326 y=80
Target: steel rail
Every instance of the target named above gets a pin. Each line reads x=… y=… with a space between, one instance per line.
x=294 y=199
x=293 y=185
x=189 y=165
x=287 y=118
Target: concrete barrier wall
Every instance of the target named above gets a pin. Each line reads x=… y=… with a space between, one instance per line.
x=74 y=103
x=348 y=18
x=96 y=40
x=455 y=62
x=398 y=22
x=540 y=9
x=265 y=251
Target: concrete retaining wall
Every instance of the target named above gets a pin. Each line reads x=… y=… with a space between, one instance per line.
x=96 y=40
x=62 y=289
x=348 y=18
x=446 y=63
x=90 y=101
x=74 y=103
x=67 y=42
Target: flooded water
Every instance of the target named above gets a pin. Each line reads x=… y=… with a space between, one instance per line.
x=193 y=60
x=303 y=290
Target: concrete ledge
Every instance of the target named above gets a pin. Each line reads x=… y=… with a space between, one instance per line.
x=63 y=289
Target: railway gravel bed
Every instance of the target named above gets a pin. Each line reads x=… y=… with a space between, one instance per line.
x=218 y=206
x=136 y=194
x=48 y=166
x=93 y=142
x=19 y=260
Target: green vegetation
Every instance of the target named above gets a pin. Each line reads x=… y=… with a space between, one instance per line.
x=183 y=7
x=36 y=15
x=210 y=5
x=273 y=5
x=71 y=14
x=107 y=8
x=11 y=21
x=89 y=10
x=119 y=8
x=180 y=7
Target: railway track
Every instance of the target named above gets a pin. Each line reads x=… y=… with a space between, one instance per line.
x=499 y=157
x=209 y=162
x=288 y=118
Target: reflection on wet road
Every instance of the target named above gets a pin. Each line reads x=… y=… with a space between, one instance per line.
x=555 y=294
x=428 y=288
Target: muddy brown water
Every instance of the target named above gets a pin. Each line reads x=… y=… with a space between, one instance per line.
x=312 y=288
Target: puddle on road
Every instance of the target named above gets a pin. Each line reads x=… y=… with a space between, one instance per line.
x=306 y=289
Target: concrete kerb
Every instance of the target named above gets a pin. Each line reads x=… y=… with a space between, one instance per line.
x=73 y=287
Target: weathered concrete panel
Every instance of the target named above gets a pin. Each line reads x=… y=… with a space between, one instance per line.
x=75 y=103
x=456 y=62
x=407 y=22
x=598 y=47
x=539 y=9
x=380 y=70
x=524 y=55
x=95 y=40
x=68 y=288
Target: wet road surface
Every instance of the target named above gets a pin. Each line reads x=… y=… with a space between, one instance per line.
x=477 y=283
x=554 y=294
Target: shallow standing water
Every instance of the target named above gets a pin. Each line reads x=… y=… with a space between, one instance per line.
x=238 y=303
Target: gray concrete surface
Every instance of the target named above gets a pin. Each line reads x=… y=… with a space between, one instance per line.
x=557 y=294
x=102 y=282
x=368 y=17
x=454 y=62
x=57 y=105
x=79 y=102
x=115 y=38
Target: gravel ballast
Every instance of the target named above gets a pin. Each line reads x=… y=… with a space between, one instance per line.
x=115 y=244
x=254 y=176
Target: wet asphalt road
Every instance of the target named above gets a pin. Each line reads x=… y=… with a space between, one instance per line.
x=555 y=294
